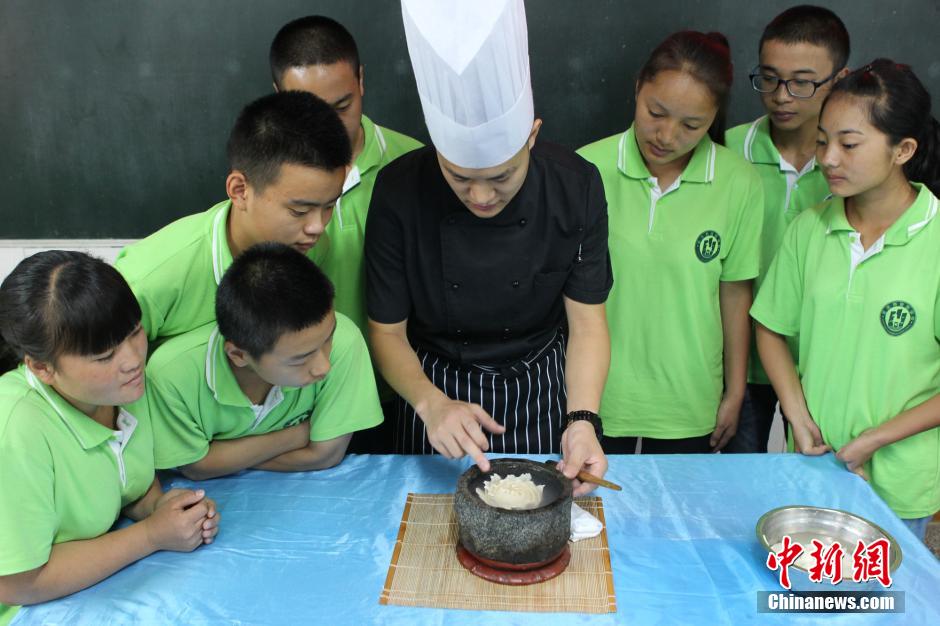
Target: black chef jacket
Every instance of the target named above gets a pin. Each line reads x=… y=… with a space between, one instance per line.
x=485 y=290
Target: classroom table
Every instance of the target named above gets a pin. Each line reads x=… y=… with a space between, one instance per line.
x=315 y=547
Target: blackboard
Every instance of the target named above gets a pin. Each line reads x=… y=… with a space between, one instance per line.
x=114 y=113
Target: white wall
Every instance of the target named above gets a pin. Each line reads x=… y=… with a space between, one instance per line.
x=12 y=251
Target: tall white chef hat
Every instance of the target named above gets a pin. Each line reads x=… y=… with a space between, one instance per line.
x=471 y=63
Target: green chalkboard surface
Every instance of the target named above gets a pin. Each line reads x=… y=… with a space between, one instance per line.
x=114 y=113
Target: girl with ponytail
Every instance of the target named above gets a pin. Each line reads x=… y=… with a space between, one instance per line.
x=684 y=221
x=857 y=281
x=76 y=445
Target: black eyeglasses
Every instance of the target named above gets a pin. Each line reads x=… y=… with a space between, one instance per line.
x=796 y=87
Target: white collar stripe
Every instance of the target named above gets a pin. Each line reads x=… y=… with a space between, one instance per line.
x=710 y=169
x=380 y=138
x=210 y=361
x=217 y=248
x=750 y=137
x=38 y=386
x=930 y=214
x=620 y=145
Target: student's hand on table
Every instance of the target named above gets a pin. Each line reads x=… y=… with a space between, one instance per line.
x=169 y=495
x=210 y=523
x=581 y=450
x=726 y=422
x=807 y=438
x=178 y=523
x=856 y=453
x=456 y=428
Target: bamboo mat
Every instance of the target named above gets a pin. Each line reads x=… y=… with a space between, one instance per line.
x=425 y=571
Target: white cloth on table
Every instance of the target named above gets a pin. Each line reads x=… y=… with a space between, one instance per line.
x=583 y=524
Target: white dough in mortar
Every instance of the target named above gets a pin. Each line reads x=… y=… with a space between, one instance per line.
x=512 y=492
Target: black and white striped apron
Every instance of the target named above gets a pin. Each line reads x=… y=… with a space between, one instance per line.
x=528 y=397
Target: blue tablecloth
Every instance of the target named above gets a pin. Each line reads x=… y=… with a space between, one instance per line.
x=315 y=547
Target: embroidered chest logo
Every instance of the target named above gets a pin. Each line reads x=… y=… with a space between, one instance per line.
x=897 y=317
x=707 y=246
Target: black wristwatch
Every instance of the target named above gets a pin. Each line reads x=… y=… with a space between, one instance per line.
x=587 y=416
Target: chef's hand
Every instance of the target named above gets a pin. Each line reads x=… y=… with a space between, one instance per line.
x=726 y=422
x=581 y=450
x=807 y=438
x=856 y=453
x=456 y=428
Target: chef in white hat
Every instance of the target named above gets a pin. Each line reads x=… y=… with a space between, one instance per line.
x=486 y=256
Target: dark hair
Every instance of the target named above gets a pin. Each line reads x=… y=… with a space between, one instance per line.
x=706 y=57
x=270 y=289
x=59 y=302
x=311 y=40
x=813 y=25
x=899 y=106
x=286 y=127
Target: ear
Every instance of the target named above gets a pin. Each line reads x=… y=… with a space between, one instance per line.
x=236 y=186
x=904 y=151
x=842 y=74
x=236 y=355
x=43 y=371
x=362 y=84
x=536 y=126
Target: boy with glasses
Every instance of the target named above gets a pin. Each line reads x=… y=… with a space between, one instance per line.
x=802 y=52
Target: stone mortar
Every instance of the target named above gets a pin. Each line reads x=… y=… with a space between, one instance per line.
x=516 y=537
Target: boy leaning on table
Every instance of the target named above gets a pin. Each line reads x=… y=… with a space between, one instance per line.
x=280 y=382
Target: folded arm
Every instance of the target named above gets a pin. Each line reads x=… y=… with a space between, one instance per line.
x=316 y=455
x=233 y=455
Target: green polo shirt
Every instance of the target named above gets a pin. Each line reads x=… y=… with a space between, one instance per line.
x=196 y=399
x=339 y=251
x=63 y=476
x=175 y=272
x=670 y=249
x=787 y=193
x=868 y=324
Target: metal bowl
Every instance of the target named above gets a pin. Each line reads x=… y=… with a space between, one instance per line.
x=805 y=523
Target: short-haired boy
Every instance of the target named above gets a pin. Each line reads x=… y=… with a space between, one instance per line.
x=318 y=55
x=288 y=154
x=280 y=383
